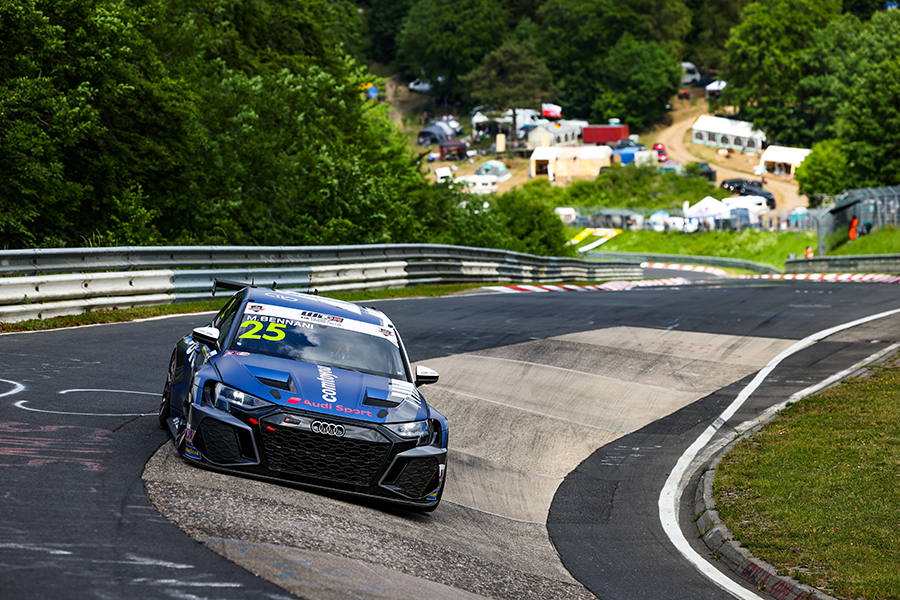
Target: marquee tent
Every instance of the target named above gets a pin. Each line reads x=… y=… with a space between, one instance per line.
x=708 y=208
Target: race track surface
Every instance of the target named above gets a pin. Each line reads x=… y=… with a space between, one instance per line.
x=567 y=413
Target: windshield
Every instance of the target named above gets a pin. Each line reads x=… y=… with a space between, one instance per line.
x=320 y=339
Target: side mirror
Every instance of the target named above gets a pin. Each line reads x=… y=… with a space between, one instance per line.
x=424 y=375
x=208 y=336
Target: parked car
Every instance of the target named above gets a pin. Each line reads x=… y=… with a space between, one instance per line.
x=732 y=184
x=707 y=172
x=748 y=187
x=757 y=190
x=626 y=144
x=662 y=156
x=420 y=86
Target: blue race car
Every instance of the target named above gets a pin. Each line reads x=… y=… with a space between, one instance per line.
x=306 y=390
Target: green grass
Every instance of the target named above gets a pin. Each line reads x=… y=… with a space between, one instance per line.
x=880 y=241
x=816 y=492
x=766 y=247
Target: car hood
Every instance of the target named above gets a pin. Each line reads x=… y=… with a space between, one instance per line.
x=322 y=389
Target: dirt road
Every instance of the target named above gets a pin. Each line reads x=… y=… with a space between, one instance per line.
x=738 y=166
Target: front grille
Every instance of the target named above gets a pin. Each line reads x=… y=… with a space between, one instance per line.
x=344 y=460
x=219 y=441
x=418 y=478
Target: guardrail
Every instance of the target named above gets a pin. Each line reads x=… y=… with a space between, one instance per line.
x=872 y=263
x=716 y=261
x=44 y=283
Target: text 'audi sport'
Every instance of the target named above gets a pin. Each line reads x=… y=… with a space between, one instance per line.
x=306 y=390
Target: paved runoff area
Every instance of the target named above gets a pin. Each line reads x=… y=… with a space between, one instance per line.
x=521 y=418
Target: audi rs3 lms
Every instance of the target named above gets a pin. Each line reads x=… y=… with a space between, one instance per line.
x=310 y=391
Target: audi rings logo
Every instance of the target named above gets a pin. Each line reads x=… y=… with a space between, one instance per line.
x=324 y=428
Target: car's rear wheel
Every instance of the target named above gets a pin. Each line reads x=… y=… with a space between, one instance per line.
x=164 y=406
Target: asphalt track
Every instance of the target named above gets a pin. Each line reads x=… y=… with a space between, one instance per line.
x=77 y=522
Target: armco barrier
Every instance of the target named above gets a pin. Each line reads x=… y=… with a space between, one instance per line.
x=872 y=263
x=716 y=261
x=44 y=283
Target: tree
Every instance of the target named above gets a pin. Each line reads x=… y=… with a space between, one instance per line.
x=824 y=171
x=871 y=127
x=445 y=39
x=639 y=78
x=840 y=53
x=763 y=63
x=576 y=37
x=711 y=21
x=385 y=18
x=509 y=77
x=87 y=112
x=532 y=224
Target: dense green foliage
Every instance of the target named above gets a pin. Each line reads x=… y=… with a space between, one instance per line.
x=639 y=188
x=811 y=77
x=512 y=76
x=824 y=172
x=209 y=121
x=444 y=39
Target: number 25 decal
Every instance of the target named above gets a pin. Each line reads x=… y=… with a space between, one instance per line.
x=273 y=333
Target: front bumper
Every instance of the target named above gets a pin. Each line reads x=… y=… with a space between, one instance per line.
x=353 y=457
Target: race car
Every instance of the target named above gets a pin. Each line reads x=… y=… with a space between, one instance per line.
x=306 y=390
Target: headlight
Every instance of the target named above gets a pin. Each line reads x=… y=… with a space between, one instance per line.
x=416 y=429
x=225 y=396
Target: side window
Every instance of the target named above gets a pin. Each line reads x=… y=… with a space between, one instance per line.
x=225 y=318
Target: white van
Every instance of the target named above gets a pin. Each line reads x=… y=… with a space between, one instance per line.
x=691 y=74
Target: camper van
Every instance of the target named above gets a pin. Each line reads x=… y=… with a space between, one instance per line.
x=691 y=74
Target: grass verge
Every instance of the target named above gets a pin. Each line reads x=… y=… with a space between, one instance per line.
x=815 y=492
x=767 y=247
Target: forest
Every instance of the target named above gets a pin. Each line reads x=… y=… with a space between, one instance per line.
x=141 y=122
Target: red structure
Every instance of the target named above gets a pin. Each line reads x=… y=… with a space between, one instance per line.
x=604 y=134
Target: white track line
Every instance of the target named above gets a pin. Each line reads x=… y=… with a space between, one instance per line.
x=671 y=492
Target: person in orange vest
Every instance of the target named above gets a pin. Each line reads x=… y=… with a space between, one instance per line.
x=854 y=223
x=809 y=253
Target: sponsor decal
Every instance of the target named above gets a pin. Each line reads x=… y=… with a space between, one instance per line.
x=189 y=434
x=236 y=353
x=280 y=321
x=320 y=318
x=441 y=470
x=337 y=408
x=294 y=400
x=327 y=379
x=192 y=452
x=256 y=308
x=386 y=332
x=432 y=496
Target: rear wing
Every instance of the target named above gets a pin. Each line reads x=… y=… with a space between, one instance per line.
x=227 y=284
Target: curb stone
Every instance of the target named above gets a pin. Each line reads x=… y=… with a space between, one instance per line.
x=725 y=548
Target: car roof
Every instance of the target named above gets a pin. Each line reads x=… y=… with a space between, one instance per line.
x=319 y=304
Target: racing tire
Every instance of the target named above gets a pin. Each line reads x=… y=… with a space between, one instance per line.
x=164 y=408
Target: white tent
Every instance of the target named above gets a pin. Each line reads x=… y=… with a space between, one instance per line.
x=782 y=159
x=719 y=132
x=708 y=208
x=716 y=86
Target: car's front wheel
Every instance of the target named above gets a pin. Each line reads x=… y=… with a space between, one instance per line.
x=164 y=406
